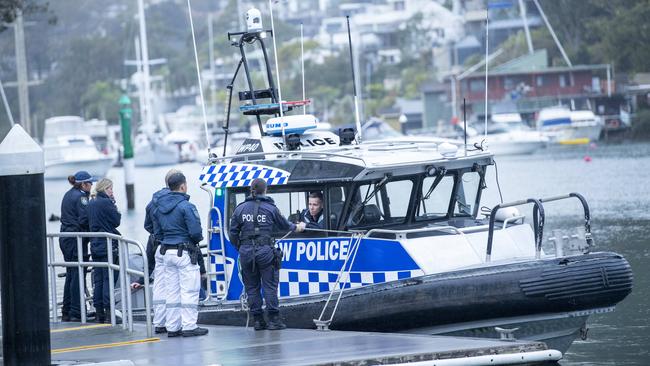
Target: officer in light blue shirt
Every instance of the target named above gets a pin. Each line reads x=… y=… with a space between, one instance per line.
x=251 y=227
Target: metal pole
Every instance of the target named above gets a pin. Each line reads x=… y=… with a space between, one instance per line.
x=302 y=63
x=550 y=29
x=524 y=18
x=357 y=118
x=111 y=278
x=53 y=304
x=21 y=72
x=82 y=280
x=145 y=66
x=277 y=71
x=23 y=251
x=127 y=150
x=609 y=80
x=487 y=62
x=198 y=77
x=6 y=104
x=122 y=284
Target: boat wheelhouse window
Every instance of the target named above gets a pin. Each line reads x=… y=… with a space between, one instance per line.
x=435 y=197
x=466 y=194
x=380 y=202
x=291 y=201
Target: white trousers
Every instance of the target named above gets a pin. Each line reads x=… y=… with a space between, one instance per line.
x=183 y=282
x=159 y=290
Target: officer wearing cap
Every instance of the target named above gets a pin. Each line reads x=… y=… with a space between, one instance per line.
x=180 y=226
x=251 y=227
x=74 y=218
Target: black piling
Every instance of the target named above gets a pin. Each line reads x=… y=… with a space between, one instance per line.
x=23 y=263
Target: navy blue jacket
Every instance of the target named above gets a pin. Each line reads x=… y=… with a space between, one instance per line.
x=74 y=218
x=178 y=218
x=150 y=223
x=102 y=217
x=311 y=222
x=73 y=211
x=269 y=219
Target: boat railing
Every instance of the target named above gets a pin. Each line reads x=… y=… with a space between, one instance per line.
x=123 y=276
x=538 y=220
x=218 y=254
x=538 y=224
x=260 y=156
x=585 y=207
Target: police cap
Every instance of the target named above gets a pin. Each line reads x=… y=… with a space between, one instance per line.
x=258 y=187
x=83 y=176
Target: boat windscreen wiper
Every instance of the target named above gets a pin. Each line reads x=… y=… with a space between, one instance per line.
x=441 y=174
x=378 y=186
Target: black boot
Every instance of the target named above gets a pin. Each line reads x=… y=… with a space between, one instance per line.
x=275 y=323
x=100 y=315
x=258 y=322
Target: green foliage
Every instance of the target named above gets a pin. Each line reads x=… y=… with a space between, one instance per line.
x=593 y=31
x=100 y=101
x=641 y=124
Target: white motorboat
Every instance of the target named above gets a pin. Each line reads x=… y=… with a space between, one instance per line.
x=567 y=127
x=508 y=135
x=151 y=150
x=74 y=153
x=69 y=148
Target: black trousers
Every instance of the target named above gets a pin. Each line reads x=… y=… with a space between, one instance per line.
x=71 y=294
x=261 y=277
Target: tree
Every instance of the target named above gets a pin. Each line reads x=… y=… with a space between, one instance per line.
x=9 y=9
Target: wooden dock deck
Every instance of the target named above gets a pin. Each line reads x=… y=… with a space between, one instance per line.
x=77 y=344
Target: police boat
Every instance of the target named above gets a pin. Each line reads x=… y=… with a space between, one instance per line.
x=404 y=246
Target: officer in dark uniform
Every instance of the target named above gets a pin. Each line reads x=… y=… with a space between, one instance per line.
x=313 y=215
x=251 y=227
x=74 y=218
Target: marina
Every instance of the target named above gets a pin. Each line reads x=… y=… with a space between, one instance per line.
x=509 y=229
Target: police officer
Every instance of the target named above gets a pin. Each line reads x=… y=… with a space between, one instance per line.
x=74 y=218
x=181 y=232
x=155 y=259
x=251 y=226
x=103 y=216
x=313 y=215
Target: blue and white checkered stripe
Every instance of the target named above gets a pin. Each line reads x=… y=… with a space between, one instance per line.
x=304 y=282
x=241 y=175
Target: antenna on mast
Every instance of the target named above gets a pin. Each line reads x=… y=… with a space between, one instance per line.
x=302 y=59
x=487 y=62
x=354 y=84
x=277 y=72
x=198 y=76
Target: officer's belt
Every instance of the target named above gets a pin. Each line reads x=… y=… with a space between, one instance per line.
x=257 y=240
x=183 y=246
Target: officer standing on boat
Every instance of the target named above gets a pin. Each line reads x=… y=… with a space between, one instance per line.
x=181 y=233
x=74 y=218
x=251 y=227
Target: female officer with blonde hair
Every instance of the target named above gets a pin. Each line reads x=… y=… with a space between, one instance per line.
x=103 y=216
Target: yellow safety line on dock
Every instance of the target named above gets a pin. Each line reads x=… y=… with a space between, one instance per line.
x=104 y=345
x=92 y=326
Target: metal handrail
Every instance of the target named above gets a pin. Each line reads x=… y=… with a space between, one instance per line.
x=585 y=206
x=209 y=231
x=123 y=270
x=538 y=224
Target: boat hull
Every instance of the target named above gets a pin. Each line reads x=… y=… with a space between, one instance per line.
x=485 y=294
x=156 y=155
x=60 y=170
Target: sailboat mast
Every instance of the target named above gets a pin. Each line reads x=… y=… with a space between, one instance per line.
x=145 y=66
